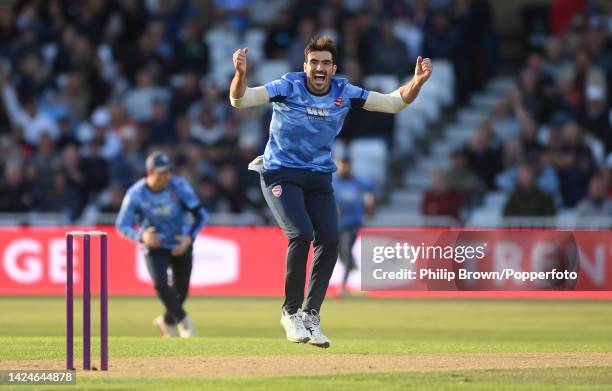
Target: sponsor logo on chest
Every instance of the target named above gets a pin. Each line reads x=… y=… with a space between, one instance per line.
x=317 y=113
x=163 y=206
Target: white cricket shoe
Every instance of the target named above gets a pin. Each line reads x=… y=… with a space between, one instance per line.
x=294 y=327
x=186 y=328
x=312 y=322
x=165 y=329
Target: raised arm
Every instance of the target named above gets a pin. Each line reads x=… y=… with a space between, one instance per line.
x=399 y=99
x=11 y=103
x=240 y=94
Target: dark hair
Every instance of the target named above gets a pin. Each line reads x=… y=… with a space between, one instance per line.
x=321 y=43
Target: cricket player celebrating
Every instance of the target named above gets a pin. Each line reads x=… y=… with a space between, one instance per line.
x=160 y=205
x=296 y=169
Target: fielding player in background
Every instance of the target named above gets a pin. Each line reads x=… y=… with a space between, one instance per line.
x=160 y=205
x=296 y=169
x=354 y=197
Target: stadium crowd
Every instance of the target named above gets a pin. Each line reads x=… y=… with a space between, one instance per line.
x=89 y=88
x=547 y=142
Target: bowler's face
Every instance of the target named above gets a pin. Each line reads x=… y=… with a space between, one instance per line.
x=319 y=69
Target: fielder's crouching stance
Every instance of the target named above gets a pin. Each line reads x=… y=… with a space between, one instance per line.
x=160 y=205
x=296 y=169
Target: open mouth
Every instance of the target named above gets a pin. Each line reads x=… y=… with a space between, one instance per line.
x=319 y=77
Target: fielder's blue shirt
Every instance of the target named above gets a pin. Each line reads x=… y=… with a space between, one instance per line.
x=350 y=193
x=176 y=210
x=304 y=125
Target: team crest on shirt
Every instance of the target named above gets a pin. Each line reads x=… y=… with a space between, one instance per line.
x=277 y=191
x=338 y=101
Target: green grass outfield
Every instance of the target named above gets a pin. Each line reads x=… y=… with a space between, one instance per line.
x=32 y=331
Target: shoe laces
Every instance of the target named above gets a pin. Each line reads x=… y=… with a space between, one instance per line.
x=295 y=319
x=314 y=318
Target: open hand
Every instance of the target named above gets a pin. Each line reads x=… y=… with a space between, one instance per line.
x=423 y=69
x=240 y=61
x=182 y=247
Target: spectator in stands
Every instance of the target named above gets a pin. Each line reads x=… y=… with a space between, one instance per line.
x=75 y=95
x=51 y=105
x=527 y=199
x=596 y=204
x=127 y=167
x=9 y=150
x=192 y=162
x=32 y=122
x=234 y=13
x=544 y=85
x=482 y=158
x=295 y=54
x=206 y=129
x=42 y=163
x=96 y=85
x=279 y=36
x=210 y=99
x=595 y=40
x=441 y=40
x=529 y=137
x=477 y=60
x=232 y=197
x=160 y=129
x=32 y=77
x=532 y=98
x=66 y=133
x=513 y=154
x=326 y=20
x=461 y=178
x=586 y=74
x=109 y=201
x=544 y=176
x=15 y=190
x=62 y=198
x=555 y=61
x=95 y=169
x=503 y=120
x=185 y=93
x=207 y=193
x=105 y=134
x=575 y=165
x=440 y=200
x=139 y=100
x=361 y=123
x=408 y=32
x=353 y=41
x=386 y=53
x=74 y=174
x=595 y=116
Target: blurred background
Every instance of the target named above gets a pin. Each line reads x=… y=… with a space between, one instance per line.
x=513 y=129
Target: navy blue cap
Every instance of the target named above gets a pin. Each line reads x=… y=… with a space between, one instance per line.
x=158 y=161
